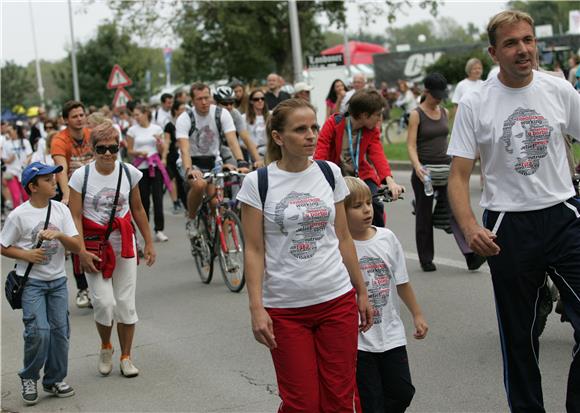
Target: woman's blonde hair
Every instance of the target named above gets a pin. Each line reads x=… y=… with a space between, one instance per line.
x=358 y=191
x=103 y=132
x=95 y=118
x=506 y=17
x=277 y=122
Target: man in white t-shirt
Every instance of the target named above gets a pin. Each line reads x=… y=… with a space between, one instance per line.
x=517 y=121
x=200 y=147
x=162 y=115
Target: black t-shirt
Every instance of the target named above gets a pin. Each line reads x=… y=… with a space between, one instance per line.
x=272 y=100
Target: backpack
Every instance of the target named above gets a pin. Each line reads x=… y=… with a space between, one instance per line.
x=218 y=123
x=263 y=179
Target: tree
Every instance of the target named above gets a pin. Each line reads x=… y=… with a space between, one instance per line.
x=238 y=39
x=16 y=83
x=453 y=66
x=547 y=12
x=95 y=60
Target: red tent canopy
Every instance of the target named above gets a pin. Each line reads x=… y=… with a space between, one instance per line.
x=361 y=53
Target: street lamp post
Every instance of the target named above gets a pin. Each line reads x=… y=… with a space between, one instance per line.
x=38 y=73
x=73 y=55
x=295 y=38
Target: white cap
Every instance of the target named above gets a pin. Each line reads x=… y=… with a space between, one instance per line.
x=302 y=86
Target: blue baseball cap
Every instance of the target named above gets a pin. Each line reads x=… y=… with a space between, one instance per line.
x=37 y=169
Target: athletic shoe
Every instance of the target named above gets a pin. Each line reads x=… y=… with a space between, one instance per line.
x=60 y=389
x=83 y=300
x=29 y=392
x=161 y=237
x=428 y=267
x=177 y=208
x=474 y=261
x=106 y=361
x=128 y=369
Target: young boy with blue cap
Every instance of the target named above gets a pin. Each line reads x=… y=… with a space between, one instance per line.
x=45 y=294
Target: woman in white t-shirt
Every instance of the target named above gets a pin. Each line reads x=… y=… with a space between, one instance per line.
x=112 y=279
x=16 y=153
x=474 y=70
x=256 y=118
x=301 y=267
x=146 y=144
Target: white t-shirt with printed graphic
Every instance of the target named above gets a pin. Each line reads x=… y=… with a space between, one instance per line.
x=257 y=130
x=206 y=139
x=303 y=263
x=144 y=140
x=20 y=148
x=100 y=195
x=520 y=135
x=382 y=263
x=21 y=230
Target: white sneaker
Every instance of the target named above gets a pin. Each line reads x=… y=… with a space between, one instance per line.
x=106 y=361
x=128 y=369
x=82 y=299
x=161 y=237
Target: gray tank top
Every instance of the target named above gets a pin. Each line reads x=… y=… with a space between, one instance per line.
x=432 y=139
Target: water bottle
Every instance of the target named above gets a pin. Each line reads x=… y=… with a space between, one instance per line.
x=427 y=183
x=218 y=166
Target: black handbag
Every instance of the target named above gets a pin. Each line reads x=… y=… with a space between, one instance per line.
x=14 y=285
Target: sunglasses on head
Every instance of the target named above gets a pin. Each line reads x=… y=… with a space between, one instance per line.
x=258 y=99
x=102 y=149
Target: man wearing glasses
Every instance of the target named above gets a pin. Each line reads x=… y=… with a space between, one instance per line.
x=71 y=149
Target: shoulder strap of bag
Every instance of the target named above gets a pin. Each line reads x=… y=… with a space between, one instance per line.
x=192 y=121
x=114 y=209
x=263 y=184
x=126 y=169
x=85 y=181
x=39 y=243
x=218 y=124
x=327 y=171
x=263 y=179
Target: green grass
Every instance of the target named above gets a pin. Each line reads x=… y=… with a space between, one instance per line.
x=398 y=151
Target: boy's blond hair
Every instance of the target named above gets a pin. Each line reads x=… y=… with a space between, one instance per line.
x=358 y=190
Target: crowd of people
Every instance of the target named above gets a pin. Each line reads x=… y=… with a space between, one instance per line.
x=324 y=274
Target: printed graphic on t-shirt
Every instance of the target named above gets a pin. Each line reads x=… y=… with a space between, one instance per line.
x=305 y=217
x=103 y=201
x=526 y=135
x=50 y=246
x=379 y=276
x=204 y=139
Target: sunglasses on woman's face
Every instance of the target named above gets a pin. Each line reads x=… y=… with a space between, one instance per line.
x=102 y=149
x=257 y=99
x=46 y=127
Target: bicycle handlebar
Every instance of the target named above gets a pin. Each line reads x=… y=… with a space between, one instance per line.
x=386 y=194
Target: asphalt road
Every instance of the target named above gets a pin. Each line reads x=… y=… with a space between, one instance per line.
x=196 y=352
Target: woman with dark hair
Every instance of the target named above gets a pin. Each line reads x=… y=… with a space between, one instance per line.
x=256 y=118
x=146 y=145
x=178 y=196
x=241 y=103
x=301 y=267
x=16 y=154
x=335 y=96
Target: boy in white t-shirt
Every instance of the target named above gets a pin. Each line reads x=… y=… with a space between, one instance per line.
x=383 y=376
x=45 y=294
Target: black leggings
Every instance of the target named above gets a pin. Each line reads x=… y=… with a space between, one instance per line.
x=153 y=187
x=384 y=381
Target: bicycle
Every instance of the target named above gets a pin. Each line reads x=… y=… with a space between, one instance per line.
x=395 y=130
x=219 y=233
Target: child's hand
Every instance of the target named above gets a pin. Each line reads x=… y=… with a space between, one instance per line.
x=421 y=327
x=48 y=234
x=36 y=256
x=365 y=310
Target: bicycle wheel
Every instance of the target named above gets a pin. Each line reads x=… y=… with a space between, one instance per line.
x=230 y=249
x=394 y=132
x=202 y=251
x=384 y=135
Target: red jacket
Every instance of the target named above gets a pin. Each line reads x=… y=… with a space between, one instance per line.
x=329 y=147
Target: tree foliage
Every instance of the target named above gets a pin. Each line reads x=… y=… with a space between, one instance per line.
x=453 y=66
x=547 y=12
x=444 y=31
x=246 y=40
x=16 y=83
x=95 y=60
